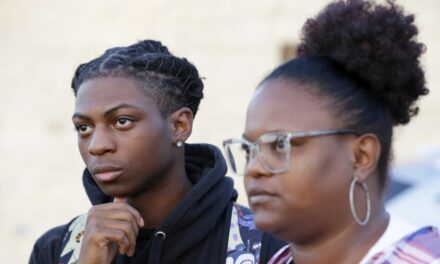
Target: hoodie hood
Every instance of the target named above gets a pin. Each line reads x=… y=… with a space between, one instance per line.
x=199 y=212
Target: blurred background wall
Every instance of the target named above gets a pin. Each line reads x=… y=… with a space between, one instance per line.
x=233 y=44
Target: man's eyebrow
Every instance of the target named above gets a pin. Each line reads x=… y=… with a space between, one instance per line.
x=81 y=116
x=118 y=107
x=108 y=112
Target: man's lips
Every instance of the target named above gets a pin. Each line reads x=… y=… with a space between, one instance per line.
x=106 y=173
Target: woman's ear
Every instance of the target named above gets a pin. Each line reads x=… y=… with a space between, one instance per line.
x=367 y=150
x=181 y=122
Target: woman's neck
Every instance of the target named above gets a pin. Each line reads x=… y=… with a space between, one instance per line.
x=349 y=245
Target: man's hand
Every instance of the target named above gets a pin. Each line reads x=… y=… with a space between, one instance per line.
x=110 y=227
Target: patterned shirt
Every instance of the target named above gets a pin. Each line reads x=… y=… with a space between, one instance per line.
x=420 y=247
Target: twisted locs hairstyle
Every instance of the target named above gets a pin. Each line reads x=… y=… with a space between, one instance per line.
x=364 y=59
x=171 y=81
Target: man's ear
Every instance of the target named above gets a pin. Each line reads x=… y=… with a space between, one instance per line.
x=181 y=122
x=367 y=150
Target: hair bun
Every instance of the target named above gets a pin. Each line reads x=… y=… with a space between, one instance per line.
x=375 y=43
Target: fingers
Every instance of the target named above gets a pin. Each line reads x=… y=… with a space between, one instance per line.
x=115 y=222
x=119 y=232
x=119 y=214
x=123 y=202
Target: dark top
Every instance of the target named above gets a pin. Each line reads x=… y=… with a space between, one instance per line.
x=196 y=230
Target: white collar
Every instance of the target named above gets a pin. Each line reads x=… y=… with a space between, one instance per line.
x=397 y=229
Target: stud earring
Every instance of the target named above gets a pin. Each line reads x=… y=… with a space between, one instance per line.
x=179 y=144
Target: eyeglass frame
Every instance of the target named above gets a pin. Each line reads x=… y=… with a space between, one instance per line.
x=254 y=146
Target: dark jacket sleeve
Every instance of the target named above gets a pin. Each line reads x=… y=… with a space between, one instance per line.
x=47 y=248
x=270 y=246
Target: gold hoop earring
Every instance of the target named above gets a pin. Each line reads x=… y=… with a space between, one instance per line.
x=352 y=207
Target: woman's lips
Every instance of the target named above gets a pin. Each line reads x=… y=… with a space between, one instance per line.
x=260 y=198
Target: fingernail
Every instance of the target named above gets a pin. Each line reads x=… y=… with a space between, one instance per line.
x=119 y=199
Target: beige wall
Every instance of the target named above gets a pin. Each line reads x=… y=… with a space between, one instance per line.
x=233 y=43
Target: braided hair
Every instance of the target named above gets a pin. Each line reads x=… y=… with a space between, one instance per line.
x=365 y=60
x=171 y=81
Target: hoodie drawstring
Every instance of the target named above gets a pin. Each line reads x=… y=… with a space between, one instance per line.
x=156 y=247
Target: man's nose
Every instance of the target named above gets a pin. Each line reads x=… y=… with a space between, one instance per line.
x=102 y=142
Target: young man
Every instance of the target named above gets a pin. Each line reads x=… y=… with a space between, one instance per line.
x=156 y=199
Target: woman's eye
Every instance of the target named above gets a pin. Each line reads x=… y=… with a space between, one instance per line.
x=123 y=123
x=281 y=145
x=245 y=148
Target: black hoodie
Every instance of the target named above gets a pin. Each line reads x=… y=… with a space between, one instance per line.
x=196 y=231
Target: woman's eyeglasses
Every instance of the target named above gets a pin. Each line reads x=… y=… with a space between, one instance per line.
x=272 y=149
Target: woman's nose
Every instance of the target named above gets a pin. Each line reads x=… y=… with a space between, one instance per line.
x=254 y=167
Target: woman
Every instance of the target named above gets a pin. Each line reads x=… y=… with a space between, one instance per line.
x=156 y=199
x=317 y=142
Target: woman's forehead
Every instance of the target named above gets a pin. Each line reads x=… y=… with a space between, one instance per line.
x=286 y=106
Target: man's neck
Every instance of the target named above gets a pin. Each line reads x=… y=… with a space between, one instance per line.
x=155 y=205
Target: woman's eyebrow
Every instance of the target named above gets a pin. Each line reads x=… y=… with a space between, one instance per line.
x=273 y=131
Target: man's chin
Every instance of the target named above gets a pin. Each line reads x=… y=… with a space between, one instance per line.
x=115 y=191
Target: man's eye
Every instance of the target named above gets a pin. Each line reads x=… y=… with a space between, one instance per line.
x=123 y=123
x=83 y=129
